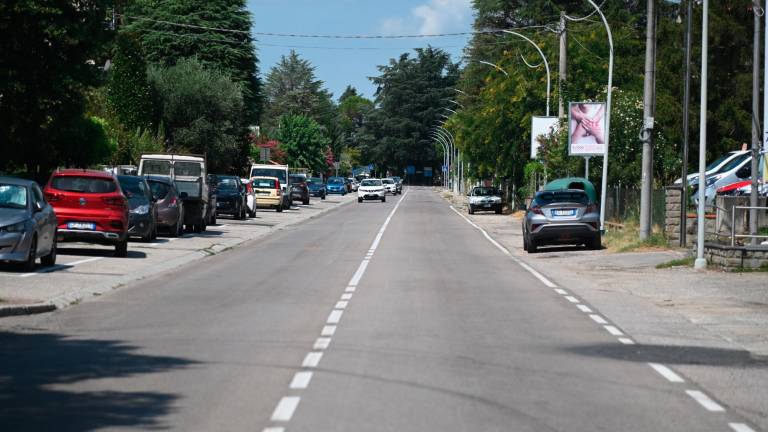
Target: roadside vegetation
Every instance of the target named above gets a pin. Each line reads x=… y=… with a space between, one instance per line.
x=623 y=238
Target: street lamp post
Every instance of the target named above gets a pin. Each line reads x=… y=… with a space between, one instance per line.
x=701 y=262
x=445 y=157
x=452 y=149
x=543 y=57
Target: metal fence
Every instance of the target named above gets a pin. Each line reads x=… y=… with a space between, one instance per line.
x=623 y=204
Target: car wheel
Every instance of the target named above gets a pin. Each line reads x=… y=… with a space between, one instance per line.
x=50 y=259
x=305 y=202
x=213 y=219
x=595 y=243
x=322 y=197
x=471 y=210
x=29 y=264
x=384 y=198
x=121 y=249
x=359 y=200
x=533 y=247
x=498 y=210
x=279 y=208
x=197 y=228
x=525 y=241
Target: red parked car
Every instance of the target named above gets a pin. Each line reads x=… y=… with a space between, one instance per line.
x=90 y=207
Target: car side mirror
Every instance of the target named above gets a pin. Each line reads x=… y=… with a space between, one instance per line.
x=183 y=195
x=38 y=207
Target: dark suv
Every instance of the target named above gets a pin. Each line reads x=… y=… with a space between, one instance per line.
x=231 y=197
x=299 y=189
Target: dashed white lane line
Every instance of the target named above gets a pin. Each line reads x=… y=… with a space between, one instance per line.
x=740 y=427
x=62 y=265
x=301 y=380
x=667 y=373
x=561 y=291
x=321 y=343
x=346 y=296
x=274 y=429
x=613 y=330
x=335 y=316
x=358 y=274
x=341 y=304
x=328 y=330
x=285 y=408
x=598 y=319
x=350 y=289
x=584 y=308
x=572 y=299
x=705 y=401
x=626 y=341
x=312 y=359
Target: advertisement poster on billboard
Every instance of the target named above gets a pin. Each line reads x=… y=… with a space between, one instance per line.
x=586 y=129
x=541 y=127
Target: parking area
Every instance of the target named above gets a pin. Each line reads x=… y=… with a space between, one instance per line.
x=85 y=270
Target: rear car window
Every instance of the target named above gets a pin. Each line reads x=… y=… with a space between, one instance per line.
x=83 y=184
x=229 y=183
x=371 y=183
x=13 y=196
x=546 y=198
x=132 y=185
x=187 y=169
x=264 y=184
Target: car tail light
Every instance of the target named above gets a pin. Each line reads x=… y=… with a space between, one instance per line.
x=592 y=208
x=537 y=210
x=53 y=197
x=172 y=202
x=277 y=185
x=115 y=202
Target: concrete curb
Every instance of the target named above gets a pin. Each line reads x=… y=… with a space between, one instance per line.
x=26 y=309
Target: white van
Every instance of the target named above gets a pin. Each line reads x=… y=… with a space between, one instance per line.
x=278 y=171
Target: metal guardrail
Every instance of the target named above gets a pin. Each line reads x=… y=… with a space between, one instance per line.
x=733 y=224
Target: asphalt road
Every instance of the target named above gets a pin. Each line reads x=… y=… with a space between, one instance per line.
x=374 y=317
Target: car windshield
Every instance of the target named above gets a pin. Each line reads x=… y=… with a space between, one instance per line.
x=264 y=183
x=228 y=183
x=159 y=189
x=297 y=179
x=315 y=180
x=733 y=163
x=370 y=183
x=546 y=198
x=13 y=196
x=388 y=181
x=83 y=184
x=396 y=179
x=335 y=181
x=132 y=186
x=485 y=191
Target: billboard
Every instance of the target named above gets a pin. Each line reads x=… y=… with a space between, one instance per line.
x=540 y=126
x=586 y=129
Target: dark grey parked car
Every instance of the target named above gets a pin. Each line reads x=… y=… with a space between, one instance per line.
x=169 y=205
x=27 y=224
x=142 y=215
x=565 y=216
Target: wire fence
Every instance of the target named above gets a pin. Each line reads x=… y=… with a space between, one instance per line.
x=622 y=204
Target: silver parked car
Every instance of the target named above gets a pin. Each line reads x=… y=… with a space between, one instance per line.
x=27 y=224
x=565 y=216
x=483 y=198
x=734 y=171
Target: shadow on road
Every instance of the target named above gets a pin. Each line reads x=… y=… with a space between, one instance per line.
x=34 y=368
x=108 y=253
x=675 y=355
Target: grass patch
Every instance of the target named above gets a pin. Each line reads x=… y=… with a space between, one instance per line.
x=682 y=262
x=627 y=239
x=762 y=269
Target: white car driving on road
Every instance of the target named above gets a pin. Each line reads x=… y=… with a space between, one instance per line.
x=389 y=185
x=371 y=189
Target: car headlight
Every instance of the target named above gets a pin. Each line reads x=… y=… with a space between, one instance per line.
x=141 y=210
x=15 y=228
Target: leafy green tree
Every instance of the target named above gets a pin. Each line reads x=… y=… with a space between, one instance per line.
x=411 y=92
x=353 y=112
x=129 y=94
x=202 y=111
x=172 y=30
x=303 y=141
x=50 y=51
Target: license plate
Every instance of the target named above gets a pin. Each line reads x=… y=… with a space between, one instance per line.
x=82 y=225
x=486 y=205
x=567 y=212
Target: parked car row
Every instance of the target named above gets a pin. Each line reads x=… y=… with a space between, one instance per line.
x=729 y=174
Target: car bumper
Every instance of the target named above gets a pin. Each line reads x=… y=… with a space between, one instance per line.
x=317 y=193
x=371 y=195
x=226 y=207
x=139 y=225
x=486 y=206
x=268 y=201
x=565 y=233
x=101 y=237
x=336 y=191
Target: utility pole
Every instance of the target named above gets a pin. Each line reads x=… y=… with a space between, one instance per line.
x=649 y=108
x=686 y=107
x=563 y=65
x=701 y=262
x=756 y=9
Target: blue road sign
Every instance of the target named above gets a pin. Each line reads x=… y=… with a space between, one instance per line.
x=410 y=169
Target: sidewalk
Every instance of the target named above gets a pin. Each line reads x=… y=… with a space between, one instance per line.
x=83 y=270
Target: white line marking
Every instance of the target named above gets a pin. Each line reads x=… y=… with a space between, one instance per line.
x=613 y=330
x=705 y=401
x=350 y=289
x=301 y=380
x=358 y=274
x=285 y=408
x=667 y=373
x=561 y=291
x=346 y=296
x=328 y=330
x=335 y=316
x=572 y=299
x=584 y=308
x=341 y=304
x=322 y=343
x=740 y=427
x=598 y=319
x=274 y=429
x=312 y=359
x=626 y=341
x=377 y=240
x=62 y=265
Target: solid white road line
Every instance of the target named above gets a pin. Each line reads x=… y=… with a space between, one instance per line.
x=346 y=296
x=705 y=401
x=358 y=274
x=285 y=408
x=626 y=341
x=613 y=330
x=322 y=343
x=666 y=373
x=584 y=308
x=335 y=316
x=274 y=429
x=341 y=304
x=62 y=265
x=328 y=330
x=301 y=380
x=598 y=319
x=740 y=427
x=572 y=299
x=561 y=291
x=312 y=359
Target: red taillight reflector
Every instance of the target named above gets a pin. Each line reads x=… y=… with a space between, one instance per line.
x=537 y=210
x=115 y=201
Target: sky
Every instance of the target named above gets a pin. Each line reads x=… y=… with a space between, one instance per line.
x=342 y=62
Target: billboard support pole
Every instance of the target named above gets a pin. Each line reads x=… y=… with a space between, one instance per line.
x=586 y=167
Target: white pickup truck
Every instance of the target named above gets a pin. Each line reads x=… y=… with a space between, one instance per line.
x=188 y=172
